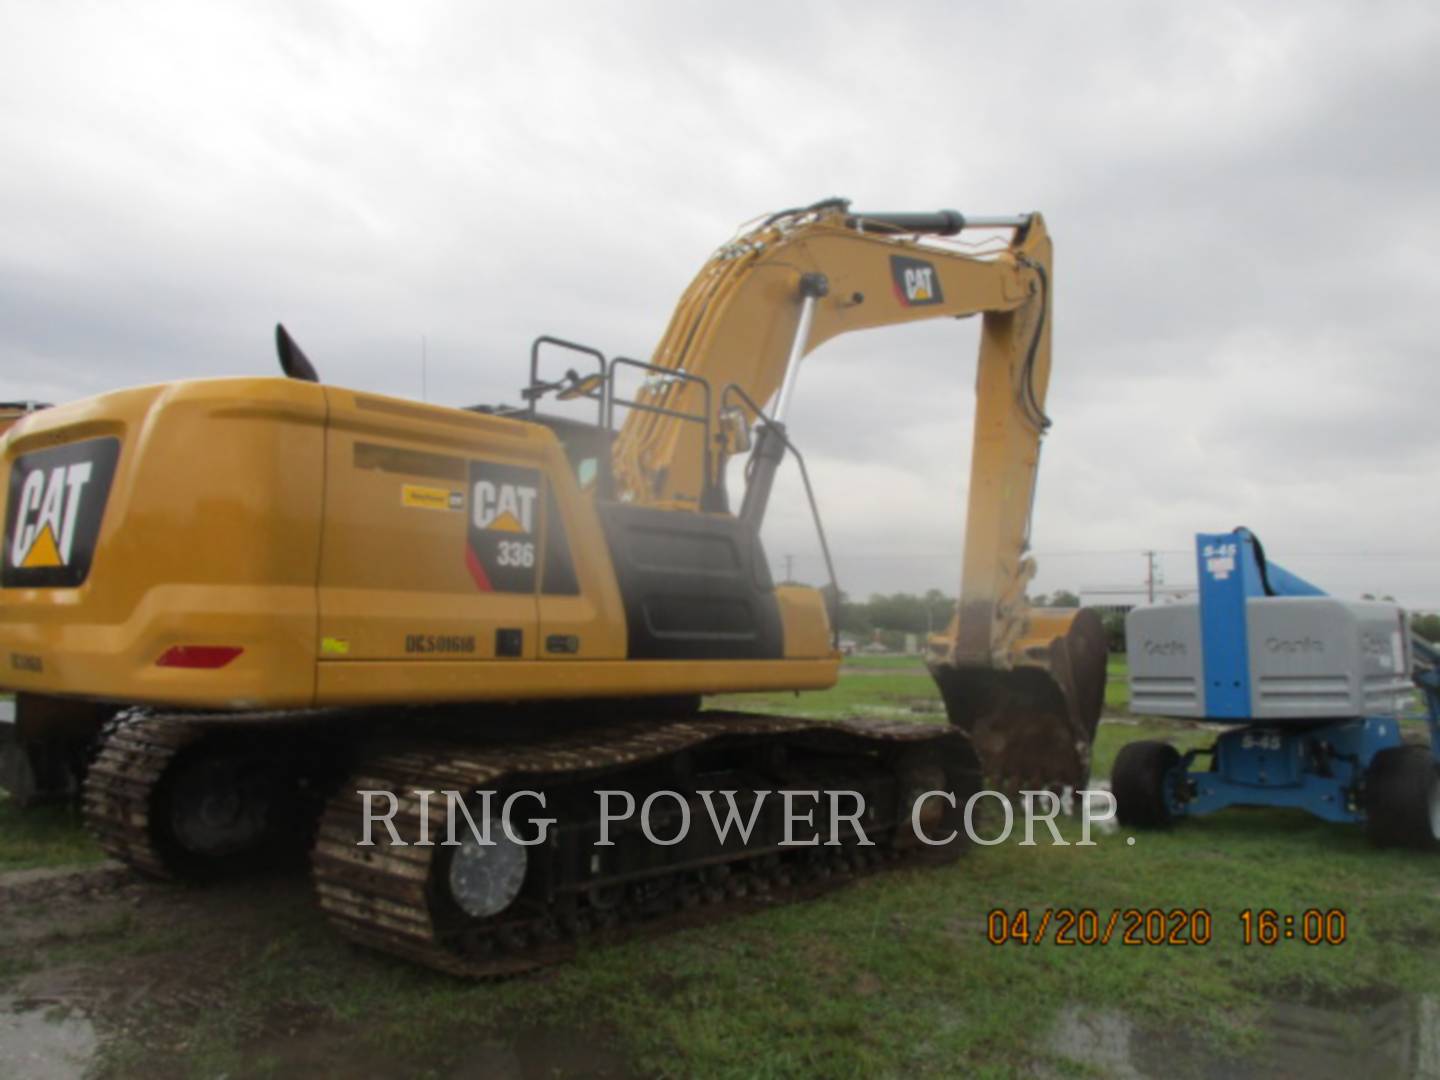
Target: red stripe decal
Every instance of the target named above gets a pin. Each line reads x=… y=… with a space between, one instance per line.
x=472 y=563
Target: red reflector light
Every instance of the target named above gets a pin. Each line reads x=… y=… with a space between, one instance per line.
x=198 y=656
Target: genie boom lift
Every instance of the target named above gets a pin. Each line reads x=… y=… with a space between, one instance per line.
x=1314 y=686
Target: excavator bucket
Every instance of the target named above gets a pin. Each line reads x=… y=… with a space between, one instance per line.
x=1033 y=725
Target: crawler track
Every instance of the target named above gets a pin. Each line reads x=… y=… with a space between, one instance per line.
x=393 y=898
x=119 y=788
x=194 y=796
x=397 y=898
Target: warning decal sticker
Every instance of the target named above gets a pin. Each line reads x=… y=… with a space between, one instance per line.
x=430 y=498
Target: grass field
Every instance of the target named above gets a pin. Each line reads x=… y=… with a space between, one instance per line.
x=891 y=976
x=43 y=836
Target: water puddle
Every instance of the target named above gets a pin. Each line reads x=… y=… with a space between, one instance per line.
x=44 y=1039
x=1395 y=1038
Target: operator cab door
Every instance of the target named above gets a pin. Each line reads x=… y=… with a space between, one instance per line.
x=581 y=614
x=431 y=547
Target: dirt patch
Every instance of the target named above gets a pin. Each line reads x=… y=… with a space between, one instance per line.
x=103 y=973
x=47 y=883
x=138 y=961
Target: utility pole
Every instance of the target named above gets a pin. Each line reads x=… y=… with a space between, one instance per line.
x=789 y=568
x=1150 y=575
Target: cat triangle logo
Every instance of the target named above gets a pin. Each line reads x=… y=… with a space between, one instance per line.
x=503 y=507
x=507 y=522
x=52 y=516
x=43 y=551
x=916 y=281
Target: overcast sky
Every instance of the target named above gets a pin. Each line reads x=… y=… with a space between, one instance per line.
x=1244 y=200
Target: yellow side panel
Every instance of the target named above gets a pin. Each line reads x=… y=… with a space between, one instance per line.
x=409 y=681
x=433 y=554
x=394 y=579
x=209 y=536
x=332 y=537
x=807 y=625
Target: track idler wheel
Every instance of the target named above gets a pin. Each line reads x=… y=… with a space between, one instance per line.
x=221 y=810
x=174 y=800
x=1033 y=726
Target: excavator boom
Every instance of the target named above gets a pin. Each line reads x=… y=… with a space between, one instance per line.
x=1028 y=685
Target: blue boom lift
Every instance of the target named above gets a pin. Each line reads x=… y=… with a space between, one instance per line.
x=1314 y=686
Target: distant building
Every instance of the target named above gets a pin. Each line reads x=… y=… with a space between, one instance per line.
x=1118 y=599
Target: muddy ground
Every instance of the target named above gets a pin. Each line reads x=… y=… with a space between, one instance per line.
x=109 y=974
x=103 y=973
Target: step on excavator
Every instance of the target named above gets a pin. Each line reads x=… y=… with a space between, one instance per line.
x=269 y=616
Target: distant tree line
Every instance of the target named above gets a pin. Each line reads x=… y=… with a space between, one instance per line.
x=902 y=613
x=1426 y=626
x=888 y=617
x=887 y=614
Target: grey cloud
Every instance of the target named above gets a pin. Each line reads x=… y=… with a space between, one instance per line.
x=1242 y=199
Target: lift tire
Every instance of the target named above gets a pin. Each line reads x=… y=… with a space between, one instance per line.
x=1402 y=798
x=1138 y=783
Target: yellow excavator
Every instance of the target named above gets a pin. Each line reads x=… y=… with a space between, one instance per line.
x=248 y=611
